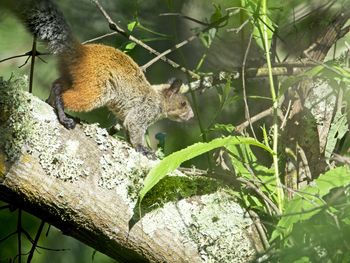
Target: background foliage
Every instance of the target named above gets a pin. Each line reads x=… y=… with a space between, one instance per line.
x=309 y=224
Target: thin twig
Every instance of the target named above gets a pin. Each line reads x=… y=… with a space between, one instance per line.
x=35 y=243
x=260 y=228
x=19 y=233
x=236 y=30
x=260 y=193
x=99 y=37
x=253 y=119
x=32 y=65
x=185 y=42
x=113 y=26
x=29 y=53
x=246 y=107
x=284 y=122
x=215 y=24
x=186 y=17
x=8 y=236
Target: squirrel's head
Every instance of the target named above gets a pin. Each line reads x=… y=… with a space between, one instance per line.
x=176 y=106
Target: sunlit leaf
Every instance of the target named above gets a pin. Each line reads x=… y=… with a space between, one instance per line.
x=174 y=160
x=309 y=202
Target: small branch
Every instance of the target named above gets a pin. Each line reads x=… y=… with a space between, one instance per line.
x=27 y=54
x=246 y=107
x=260 y=193
x=186 y=17
x=99 y=37
x=260 y=228
x=83 y=178
x=284 y=121
x=35 y=242
x=32 y=63
x=236 y=30
x=185 y=42
x=253 y=119
x=113 y=26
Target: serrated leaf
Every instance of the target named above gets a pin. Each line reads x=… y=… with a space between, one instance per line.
x=174 y=160
x=309 y=201
x=337 y=131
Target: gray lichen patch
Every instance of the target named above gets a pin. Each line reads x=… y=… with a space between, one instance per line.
x=215 y=224
x=59 y=159
x=122 y=168
x=25 y=128
x=16 y=125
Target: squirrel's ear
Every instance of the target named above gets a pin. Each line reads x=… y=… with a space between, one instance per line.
x=175 y=85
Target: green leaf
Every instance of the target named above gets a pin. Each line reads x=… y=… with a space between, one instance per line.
x=246 y=165
x=130 y=46
x=132 y=25
x=217 y=15
x=229 y=128
x=309 y=201
x=174 y=160
x=337 y=131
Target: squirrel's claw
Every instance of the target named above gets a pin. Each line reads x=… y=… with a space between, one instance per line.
x=69 y=123
x=146 y=151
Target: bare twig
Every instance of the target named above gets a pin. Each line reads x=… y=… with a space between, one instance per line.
x=341 y=159
x=99 y=37
x=246 y=107
x=113 y=26
x=27 y=54
x=236 y=30
x=32 y=65
x=250 y=184
x=284 y=122
x=186 y=17
x=253 y=119
x=185 y=42
x=260 y=228
x=35 y=242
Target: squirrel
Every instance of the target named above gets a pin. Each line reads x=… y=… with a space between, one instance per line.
x=95 y=75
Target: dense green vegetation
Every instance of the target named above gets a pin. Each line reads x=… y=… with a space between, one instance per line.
x=294 y=179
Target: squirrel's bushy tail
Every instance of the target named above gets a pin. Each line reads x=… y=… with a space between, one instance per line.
x=45 y=21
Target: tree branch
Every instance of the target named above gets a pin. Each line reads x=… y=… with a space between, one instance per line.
x=86 y=183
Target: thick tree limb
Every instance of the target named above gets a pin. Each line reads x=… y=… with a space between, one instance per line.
x=85 y=183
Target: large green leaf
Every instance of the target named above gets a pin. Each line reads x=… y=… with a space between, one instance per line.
x=174 y=160
x=309 y=202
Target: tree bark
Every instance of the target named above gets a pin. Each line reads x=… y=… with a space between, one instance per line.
x=86 y=183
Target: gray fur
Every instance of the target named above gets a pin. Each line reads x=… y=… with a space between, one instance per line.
x=46 y=22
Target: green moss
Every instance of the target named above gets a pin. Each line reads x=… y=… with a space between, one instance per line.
x=174 y=188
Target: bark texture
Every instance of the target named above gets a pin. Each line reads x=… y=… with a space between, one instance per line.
x=85 y=183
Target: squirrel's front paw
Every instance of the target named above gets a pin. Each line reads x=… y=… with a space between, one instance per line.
x=146 y=151
x=69 y=123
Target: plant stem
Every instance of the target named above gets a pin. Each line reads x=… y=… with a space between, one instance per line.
x=280 y=193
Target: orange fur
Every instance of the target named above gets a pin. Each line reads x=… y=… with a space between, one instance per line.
x=86 y=75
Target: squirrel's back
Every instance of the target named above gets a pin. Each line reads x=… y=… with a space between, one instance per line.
x=109 y=74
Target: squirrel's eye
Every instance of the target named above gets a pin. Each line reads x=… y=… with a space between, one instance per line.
x=183 y=104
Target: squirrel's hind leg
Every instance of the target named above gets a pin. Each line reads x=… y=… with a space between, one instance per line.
x=56 y=101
